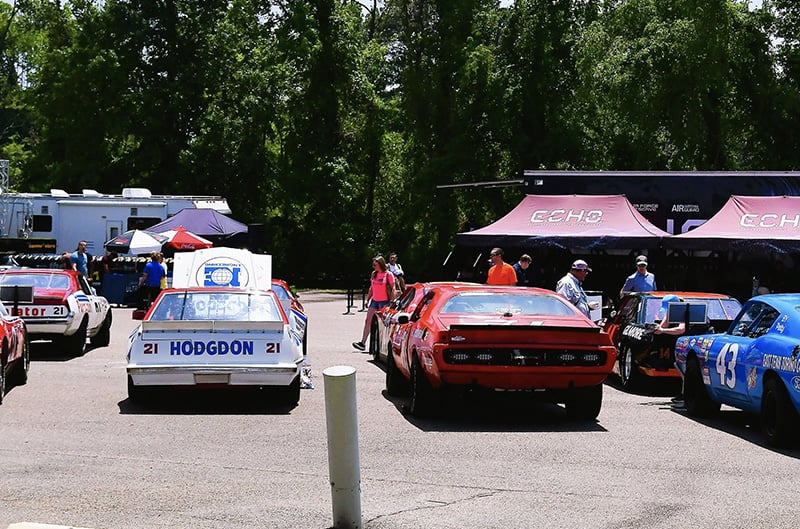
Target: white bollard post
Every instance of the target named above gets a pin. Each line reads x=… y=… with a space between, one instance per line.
x=343 y=459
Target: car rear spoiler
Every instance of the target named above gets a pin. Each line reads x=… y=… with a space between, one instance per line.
x=212 y=325
x=513 y=328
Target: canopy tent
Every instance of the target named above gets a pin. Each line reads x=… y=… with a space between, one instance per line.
x=748 y=224
x=207 y=223
x=582 y=222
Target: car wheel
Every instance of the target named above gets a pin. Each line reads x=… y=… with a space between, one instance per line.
x=778 y=416
x=76 y=344
x=695 y=394
x=103 y=336
x=19 y=375
x=374 y=340
x=138 y=394
x=583 y=404
x=2 y=376
x=422 y=393
x=628 y=370
x=290 y=395
x=396 y=383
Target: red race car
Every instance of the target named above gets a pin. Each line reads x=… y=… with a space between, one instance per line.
x=463 y=335
x=14 y=355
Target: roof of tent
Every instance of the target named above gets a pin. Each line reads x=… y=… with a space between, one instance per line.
x=747 y=223
x=574 y=221
x=203 y=222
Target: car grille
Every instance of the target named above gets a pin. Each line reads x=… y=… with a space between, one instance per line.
x=524 y=357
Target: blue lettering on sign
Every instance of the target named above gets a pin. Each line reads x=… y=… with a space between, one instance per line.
x=211 y=348
x=221 y=276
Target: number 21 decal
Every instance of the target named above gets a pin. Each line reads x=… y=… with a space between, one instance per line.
x=273 y=347
x=725 y=367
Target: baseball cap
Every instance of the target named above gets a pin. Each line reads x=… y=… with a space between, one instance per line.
x=580 y=264
x=642 y=259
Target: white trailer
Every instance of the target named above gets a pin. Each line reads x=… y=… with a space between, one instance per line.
x=91 y=216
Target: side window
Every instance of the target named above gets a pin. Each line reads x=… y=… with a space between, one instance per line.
x=764 y=322
x=628 y=311
x=85 y=286
x=741 y=326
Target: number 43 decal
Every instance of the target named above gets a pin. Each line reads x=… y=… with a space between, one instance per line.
x=725 y=367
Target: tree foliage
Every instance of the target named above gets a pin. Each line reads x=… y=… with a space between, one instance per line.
x=333 y=124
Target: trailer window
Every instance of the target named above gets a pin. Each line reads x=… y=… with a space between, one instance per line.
x=42 y=223
x=142 y=223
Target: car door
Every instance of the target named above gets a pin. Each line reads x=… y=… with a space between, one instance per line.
x=731 y=355
x=627 y=313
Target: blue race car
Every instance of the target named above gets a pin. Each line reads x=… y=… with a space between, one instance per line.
x=754 y=366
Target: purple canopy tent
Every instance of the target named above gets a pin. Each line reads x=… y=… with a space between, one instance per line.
x=208 y=223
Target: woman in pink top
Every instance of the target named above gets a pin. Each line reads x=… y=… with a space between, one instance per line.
x=381 y=292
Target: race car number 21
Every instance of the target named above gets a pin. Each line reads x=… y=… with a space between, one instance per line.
x=273 y=347
x=726 y=368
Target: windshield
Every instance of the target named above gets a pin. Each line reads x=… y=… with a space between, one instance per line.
x=494 y=303
x=38 y=281
x=231 y=306
x=718 y=309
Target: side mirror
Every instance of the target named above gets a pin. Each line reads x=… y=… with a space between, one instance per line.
x=402 y=318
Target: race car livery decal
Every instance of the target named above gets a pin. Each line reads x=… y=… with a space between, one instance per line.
x=634 y=332
x=40 y=311
x=796 y=383
x=780 y=325
x=222 y=272
x=212 y=347
x=752 y=377
x=781 y=363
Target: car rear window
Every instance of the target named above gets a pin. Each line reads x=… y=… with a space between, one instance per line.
x=235 y=306
x=38 y=281
x=496 y=303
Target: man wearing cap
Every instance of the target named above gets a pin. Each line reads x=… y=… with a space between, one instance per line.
x=501 y=273
x=570 y=287
x=641 y=280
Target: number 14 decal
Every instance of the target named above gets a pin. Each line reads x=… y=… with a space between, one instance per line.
x=725 y=367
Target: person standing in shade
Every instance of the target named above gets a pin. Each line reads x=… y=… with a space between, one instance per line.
x=501 y=273
x=641 y=280
x=526 y=276
x=397 y=272
x=571 y=287
x=381 y=292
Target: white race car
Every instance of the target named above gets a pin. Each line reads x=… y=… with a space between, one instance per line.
x=215 y=337
x=58 y=305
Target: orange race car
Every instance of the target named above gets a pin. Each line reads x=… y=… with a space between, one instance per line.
x=462 y=335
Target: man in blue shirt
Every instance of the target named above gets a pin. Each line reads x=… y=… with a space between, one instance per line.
x=80 y=259
x=641 y=280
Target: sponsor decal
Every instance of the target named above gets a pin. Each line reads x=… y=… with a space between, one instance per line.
x=222 y=272
x=646 y=207
x=211 y=348
x=752 y=377
x=769 y=220
x=457 y=339
x=634 y=332
x=781 y=363
x=685 y=208
x=576 y=216
x=706 y=376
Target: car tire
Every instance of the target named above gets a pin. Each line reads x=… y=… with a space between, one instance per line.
x=290 y=396
x=75 y=345
x=779 y=419
x=139 y=394
x=103 y=336
x=583 y=404
x=396 y=384
x=695 y=394
x=628 y=371
x=422 y=393
x=374 y=340
x=2 y=376
x=19 y=374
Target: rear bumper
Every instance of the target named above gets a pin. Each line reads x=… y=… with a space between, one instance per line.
x=527 y=379
x=231 y=375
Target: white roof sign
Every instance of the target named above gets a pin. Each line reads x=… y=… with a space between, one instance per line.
x=222 y=267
